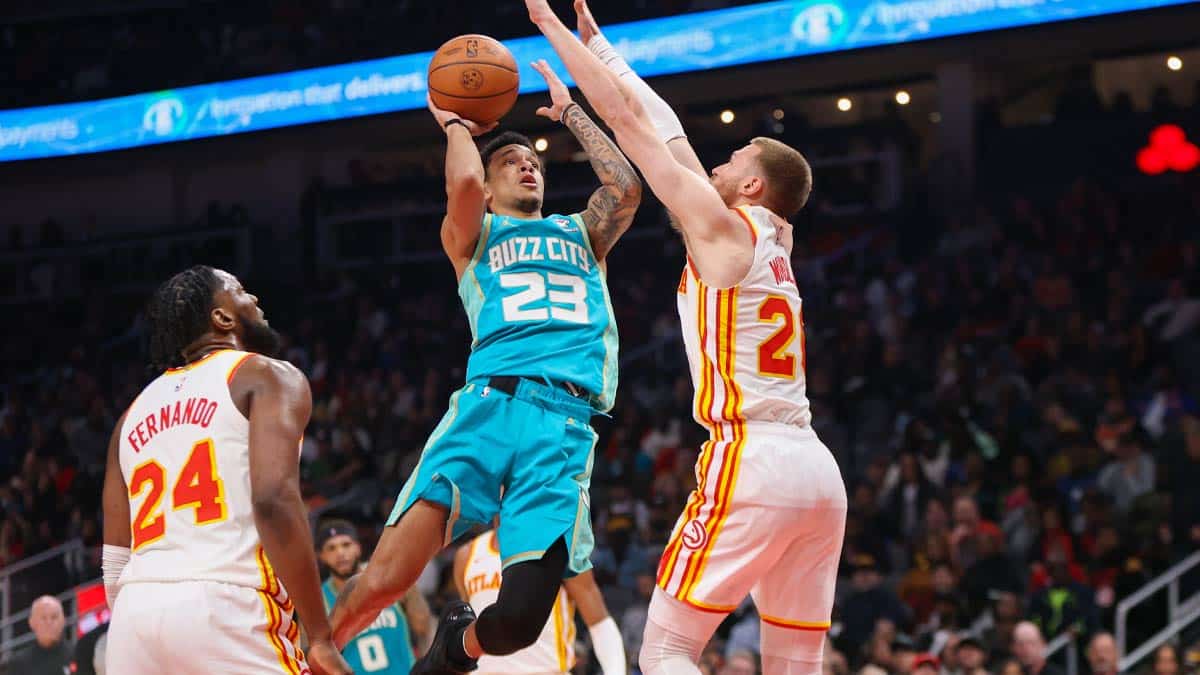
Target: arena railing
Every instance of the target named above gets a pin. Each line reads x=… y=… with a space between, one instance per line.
x=14 y=629
x=1066 y=641
x=1180 y=614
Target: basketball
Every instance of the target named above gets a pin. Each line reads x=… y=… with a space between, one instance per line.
x=474 y=76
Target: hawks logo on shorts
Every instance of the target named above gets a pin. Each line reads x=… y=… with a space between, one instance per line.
x=694 y=536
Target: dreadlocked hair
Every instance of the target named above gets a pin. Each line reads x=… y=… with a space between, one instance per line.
x=178 y=314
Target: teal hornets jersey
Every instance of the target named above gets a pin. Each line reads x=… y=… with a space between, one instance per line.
x=385 y=648
x=539 y=307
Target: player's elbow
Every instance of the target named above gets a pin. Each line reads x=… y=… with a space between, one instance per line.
x=464 y=183
x=272 y=502
x=625 y=123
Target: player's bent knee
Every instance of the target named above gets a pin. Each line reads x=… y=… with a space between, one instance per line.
x=503 y=630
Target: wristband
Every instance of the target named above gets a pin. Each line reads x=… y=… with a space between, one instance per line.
x=456 y=120
x=562 y=119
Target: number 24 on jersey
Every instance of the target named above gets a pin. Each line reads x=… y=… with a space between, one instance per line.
x=197 y=487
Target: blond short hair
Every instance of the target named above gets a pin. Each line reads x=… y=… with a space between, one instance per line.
x=788 y=176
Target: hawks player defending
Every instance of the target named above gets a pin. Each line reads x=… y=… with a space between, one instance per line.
x=202 y=498
x=770 y=505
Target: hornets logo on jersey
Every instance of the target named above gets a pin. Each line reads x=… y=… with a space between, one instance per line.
x=384 y=648
x=538 y=305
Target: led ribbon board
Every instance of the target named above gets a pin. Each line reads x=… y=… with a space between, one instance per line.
x=690 y=42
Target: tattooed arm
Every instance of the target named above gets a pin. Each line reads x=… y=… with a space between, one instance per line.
x=611 y=208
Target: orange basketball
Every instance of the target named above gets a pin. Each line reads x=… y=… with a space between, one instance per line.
x=474 y=76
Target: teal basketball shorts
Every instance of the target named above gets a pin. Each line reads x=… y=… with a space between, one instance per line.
x=536 y=444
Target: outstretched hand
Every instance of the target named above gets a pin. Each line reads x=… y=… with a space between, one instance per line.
x=444 y=116
x=586 y=23
x=560 y=97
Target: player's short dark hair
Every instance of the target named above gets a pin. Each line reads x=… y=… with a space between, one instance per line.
x=789 y=177
x=503 y=140
x=178 y=314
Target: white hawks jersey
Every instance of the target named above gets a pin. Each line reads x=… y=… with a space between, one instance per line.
x=745 y=344
x=554 y=651
x=185 y=457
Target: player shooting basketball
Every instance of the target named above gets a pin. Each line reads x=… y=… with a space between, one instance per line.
x=770 y=504
x=543 y=362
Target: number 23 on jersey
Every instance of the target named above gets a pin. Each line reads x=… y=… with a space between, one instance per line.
x=198 y=487
x=567 y=296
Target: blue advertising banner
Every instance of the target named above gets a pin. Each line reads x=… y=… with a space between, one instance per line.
x=690 y=42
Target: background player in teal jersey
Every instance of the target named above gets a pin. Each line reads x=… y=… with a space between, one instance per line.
x=543 y=361
x=387 y=646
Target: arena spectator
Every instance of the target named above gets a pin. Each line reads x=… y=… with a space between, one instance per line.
x=50 y=654
x=1102 y=654
x=1029 y=648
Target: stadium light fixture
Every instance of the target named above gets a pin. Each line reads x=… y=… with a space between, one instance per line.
x=727 y=117
x=1174 y=63
x=844 y=104
x=903 y=98
x=541 y=144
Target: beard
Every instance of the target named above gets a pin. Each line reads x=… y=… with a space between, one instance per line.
x=727 y=190
x=528 y=204
x=260 y=338
x=344 y=576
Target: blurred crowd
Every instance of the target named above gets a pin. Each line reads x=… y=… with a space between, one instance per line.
x=1011 y=391
x=1011 y=396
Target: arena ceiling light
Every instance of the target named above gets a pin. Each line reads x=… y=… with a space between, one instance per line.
x=541 y=144
x=844 y=104
x=727 y=117
x=903 y=98
x=1174 y=63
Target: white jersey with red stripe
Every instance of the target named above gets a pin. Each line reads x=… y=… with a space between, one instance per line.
x=185 y=457
x=769 y=505
x=745 y=344
x=554 y=651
